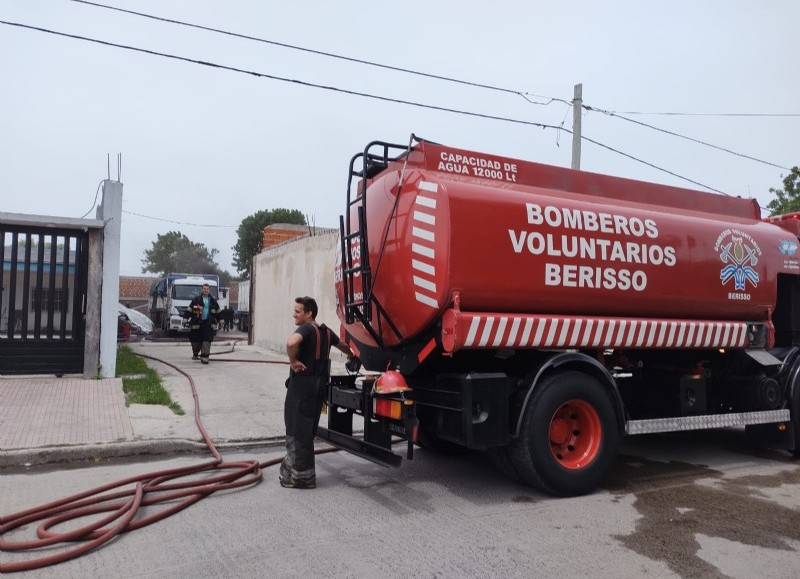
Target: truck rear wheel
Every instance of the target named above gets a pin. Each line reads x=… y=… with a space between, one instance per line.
x=568 y=440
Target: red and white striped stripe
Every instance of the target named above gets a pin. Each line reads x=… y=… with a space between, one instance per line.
x=423 y=232
x=487 y=331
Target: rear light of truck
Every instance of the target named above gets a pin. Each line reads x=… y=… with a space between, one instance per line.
x=389 y=408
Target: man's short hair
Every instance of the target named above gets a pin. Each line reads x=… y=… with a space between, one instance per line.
x=206 y=285
x=309 y=305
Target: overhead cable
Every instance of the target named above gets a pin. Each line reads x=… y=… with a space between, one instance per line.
x=414 y=72
x=96 y=194
x=317 y=52
x=599 y=144
x=284 y=79
x=680 y=114
x=674 y=134
x=176 y=222
x=350 y=92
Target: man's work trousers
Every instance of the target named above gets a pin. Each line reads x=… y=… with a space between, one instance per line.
x=304 y=398
x=203 y=349
x=201 y=337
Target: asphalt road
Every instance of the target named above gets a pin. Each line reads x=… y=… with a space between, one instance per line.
x=676 y=506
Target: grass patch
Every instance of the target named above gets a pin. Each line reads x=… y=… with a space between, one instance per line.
x=145 y=390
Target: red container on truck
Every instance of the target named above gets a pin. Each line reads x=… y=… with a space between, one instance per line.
x=541 y=313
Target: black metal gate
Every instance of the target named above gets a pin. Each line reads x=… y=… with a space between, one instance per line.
x=42 y=299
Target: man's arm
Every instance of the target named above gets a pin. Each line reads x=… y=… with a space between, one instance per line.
x=292 y=348
x=345 y=349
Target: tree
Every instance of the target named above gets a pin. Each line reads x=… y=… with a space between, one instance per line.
x=787 y=200
x=251 y=234
x=174 y=251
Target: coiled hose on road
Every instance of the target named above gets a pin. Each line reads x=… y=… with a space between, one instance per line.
x=123 y=505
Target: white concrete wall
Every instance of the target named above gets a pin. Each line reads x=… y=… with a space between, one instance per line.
x=303 y=267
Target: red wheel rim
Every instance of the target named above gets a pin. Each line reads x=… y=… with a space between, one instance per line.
x=575 y=434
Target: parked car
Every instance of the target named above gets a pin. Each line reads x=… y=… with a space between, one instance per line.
x=132 y=323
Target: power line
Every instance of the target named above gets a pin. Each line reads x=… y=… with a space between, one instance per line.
x=680 y=114
x=674 y=134
x=345 y=91
x=439 y=77
x=175 y=222
x=407 y=70
x=96 y=194
x=599 y=144
x=284 y=79
x=320 y=52
x=414 y=72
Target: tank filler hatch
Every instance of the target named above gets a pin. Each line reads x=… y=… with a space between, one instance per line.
x=358 y=306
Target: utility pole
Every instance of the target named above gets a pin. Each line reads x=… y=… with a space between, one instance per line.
x=577 y=109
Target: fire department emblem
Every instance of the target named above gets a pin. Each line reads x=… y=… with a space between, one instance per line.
x=739 y=254
x=787 y=248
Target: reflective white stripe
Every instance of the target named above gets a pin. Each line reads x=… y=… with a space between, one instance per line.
x=608 y=341
x=423 y=267
x=564 y=331
x=672 y=327
x=425 y=217
x=473 y=329
x=734 y=337
x=681 y=332
x=422 y=233
x=631 y=334
x=428 y=301
x=424 y=284
x=620 y=334
x=537 y=339
x=598 y=334
x=575 y=339
x=717 y=333
x=552 y=333
x=652 y=335
x=501 y=328
x=513 y=333
x=422 y=250
x=487 y=330
x=588 y=332
x=428 y=186
x=699 y=337
x=661 y=334
x=561 y=332
x=689 y=335
x=426 y=201
x=526 y=332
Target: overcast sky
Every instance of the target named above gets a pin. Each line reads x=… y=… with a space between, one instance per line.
x=205 y=146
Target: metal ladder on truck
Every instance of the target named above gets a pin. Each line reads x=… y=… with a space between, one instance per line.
x=353 y=233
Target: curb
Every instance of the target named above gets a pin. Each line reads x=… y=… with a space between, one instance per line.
x=120 y=450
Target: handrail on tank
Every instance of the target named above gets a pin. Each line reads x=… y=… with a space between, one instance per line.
x=372 y=163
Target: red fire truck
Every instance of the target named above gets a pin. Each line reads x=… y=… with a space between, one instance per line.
x=542 y=313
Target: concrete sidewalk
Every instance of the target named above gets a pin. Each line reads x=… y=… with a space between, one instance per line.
x=241 y=393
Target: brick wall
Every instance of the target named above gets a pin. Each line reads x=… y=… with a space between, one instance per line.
x=281 y=233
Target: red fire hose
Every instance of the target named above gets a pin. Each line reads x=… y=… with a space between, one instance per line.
x=123 y=506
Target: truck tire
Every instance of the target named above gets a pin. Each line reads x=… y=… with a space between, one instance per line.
x=569 y=439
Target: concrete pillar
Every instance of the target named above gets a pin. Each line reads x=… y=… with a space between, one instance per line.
x=94 y=291
x=110 y=211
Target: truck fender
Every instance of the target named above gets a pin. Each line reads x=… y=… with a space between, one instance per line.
x=572 y=361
